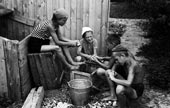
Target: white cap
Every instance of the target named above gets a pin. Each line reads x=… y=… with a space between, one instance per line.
x=85 y=29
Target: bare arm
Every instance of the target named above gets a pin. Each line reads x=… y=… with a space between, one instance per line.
x=82 y=54
x=95 y=51
x=57 y=40
x=95 y=45
x=127 y=82
x=62 y=38
x=106 y=66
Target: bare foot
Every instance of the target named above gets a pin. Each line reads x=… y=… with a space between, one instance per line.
x=109 y=98
x=78 y=63
x=74 y=67
x=107 y=93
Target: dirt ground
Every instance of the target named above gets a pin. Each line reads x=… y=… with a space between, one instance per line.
x=133 y=39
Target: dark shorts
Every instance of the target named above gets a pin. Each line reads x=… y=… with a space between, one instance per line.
x=139 y=88
x=34 y=44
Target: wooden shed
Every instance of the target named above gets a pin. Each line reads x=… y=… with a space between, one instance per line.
x=14 y=29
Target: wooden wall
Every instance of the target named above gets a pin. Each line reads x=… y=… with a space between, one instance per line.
x=93 y=13
x=15 y=27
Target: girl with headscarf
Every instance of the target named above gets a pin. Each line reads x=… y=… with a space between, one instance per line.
x=41 y=34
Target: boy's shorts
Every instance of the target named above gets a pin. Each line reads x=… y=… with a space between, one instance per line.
x=139 y=88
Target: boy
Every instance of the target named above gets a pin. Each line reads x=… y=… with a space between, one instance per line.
x=129 y=85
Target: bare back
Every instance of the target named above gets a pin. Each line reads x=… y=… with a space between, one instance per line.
x=139 y=73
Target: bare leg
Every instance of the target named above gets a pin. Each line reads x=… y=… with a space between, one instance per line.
x=120 y=91
x=112 y=92
x=112 y=89
x=69 y=58
x=62 y=57
x=57 y=49
x=102 y=72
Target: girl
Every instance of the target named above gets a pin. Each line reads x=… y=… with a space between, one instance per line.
x=40 y=39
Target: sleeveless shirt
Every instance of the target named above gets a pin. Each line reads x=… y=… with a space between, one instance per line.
x=41 y=31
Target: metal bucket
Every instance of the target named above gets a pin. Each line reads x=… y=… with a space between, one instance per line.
x=79 y=91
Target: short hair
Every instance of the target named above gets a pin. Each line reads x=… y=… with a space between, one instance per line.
x=126 y=53
x=121 y=52
x=119 y=48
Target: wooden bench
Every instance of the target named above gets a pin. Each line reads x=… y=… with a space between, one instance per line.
x=46 y=69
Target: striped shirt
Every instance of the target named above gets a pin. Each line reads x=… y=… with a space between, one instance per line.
x=41 y=31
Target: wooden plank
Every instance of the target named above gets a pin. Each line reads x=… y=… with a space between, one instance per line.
x=80 y=75
x=36 y=16
x=19 y=6
x=9 y=29
x=97 y=29
x=12 y=68
x=4 y=27
x=49 y=9
x=15 y=31
x=8 y=4
x=55 y=5
x=14 y=4
x=38 y=98
x=46 y=63
x=25 y=10
x=58 y=69
x=3 y=75
x=85 y=12
x=22 y=19
x=73 y=19
x=79 y=18
x=27 y=30
x=2 y=1
x=92 y=13
x=23 y=67
x=34 y=98
x=104 y=25
x=31 y=9
x=29 y=98
x=40 y=70
x=67 y=26
x=61 y=3
x=34 y=69
x=44 y=5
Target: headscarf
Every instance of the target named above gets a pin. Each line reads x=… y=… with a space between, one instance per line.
x=85 y=29
x=60 y=13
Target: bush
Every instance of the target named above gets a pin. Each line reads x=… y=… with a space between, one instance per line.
x=157 y=51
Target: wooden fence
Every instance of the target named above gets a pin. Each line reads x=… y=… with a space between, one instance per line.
x=92 y=13
x=14 y=73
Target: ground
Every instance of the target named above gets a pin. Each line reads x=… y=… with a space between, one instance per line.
x=133 y=38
